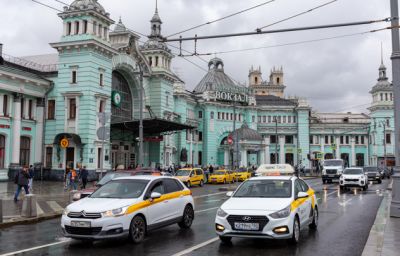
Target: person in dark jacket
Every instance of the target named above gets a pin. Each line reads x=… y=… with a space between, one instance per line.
x=83 y=176
x=22 y=181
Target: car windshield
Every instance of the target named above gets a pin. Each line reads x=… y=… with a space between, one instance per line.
x=111 y=176
x=333 y=162
x=121 y=189
x=183 y=173
x=353 y=171
x=370 y=169
x=265 y=188
x=219 y=173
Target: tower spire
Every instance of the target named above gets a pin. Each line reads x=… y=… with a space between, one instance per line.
x=156 y=6
x=381 y=53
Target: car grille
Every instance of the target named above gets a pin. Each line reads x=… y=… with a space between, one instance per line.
x=330 y=171
x=82 y=231
x=84 y=215
x=351 y=180
x=372 y=174
x=261 y=220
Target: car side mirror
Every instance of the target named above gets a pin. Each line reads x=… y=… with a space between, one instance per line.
x=155 y=195
x=229 y=194
x=302 y=195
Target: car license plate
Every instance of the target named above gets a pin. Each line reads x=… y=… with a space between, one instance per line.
x=247 y=226
x=80 y=224
x=331 y=175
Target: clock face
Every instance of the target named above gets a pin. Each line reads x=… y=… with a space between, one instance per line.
x=117 y=98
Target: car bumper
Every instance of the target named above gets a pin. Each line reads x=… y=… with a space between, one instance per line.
x=102 y=228
x=374 y=178
x=216 y=180
x=266 y=233
x=331 y=176
x=359 y=183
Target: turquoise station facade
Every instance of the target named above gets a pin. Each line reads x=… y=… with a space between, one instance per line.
x=52 y=108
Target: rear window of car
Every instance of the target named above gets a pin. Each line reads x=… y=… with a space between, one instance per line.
x=370 y=169
x=199 y=172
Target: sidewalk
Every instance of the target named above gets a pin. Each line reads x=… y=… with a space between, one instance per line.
x=384 y=237
x=51 y=200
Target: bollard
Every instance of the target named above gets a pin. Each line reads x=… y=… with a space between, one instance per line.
x=71 y=196
x=1 y=210
x=29 y=206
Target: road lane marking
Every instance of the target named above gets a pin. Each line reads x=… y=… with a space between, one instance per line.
x=35 y=248
x=220 y=193
x=55 y=206
x=206 y=210
x=191 y=249
x=39 y=210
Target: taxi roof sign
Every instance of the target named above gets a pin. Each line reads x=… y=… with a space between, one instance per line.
x=275 y=170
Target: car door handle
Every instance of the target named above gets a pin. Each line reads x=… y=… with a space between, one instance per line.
x=166 y=201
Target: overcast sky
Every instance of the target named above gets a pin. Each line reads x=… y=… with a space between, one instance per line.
x=335 y=75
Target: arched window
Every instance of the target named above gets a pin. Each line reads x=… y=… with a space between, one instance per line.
x=256 y=80
x=25 y=151
x=2 y=151
x=123 y=111
x=212 y=115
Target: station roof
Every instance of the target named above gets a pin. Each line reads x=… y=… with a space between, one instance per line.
x=152 y=126
x=271 y=100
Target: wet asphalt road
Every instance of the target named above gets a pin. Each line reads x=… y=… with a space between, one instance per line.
x=344 y=225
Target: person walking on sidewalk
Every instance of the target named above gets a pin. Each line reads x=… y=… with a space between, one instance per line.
x=72 y=179
x=31 y=176
x=83 y=176
x=22 y=180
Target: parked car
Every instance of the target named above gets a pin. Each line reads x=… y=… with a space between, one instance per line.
x=243 y=174
x=374 y=173
x=191 y=176
x=221 y=176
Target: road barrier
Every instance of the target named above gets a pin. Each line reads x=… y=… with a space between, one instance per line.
x=29 y=206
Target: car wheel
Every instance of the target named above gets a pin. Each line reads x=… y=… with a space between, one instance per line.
x=188 y=184
x=296 y=232
x=187 y=218
x=225 y=239
x=379 y=181
x=314 y=223
x=137 y=230
x=365 y=187
x=201 y=183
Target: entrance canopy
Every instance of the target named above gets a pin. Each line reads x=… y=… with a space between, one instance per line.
x=71 y=136
x=153 y=126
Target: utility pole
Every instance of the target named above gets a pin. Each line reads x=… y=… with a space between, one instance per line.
x=236 y=140
x=395 y=204
x=276 y=140
x=141 y=116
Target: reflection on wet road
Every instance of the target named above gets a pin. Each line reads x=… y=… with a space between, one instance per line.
x=345 y=221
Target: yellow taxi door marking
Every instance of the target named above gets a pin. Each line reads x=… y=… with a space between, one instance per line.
x=296 y=203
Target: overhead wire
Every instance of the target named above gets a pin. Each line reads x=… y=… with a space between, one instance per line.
x=222 y=18
x=298 y=14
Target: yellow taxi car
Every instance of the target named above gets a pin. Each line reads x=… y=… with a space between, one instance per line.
x=221 y=176
x=242 y=174
x=191 y=176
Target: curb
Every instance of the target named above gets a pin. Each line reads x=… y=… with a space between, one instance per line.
x=23 y=221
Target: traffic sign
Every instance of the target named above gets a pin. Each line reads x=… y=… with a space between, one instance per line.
x=230 y=140
x=103 y=133
x=103 y=118
x=64 y=143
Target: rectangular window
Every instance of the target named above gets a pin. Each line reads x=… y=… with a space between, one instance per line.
x=99 y=157
x=231 y=116
x=219 y=115
x=264 y=119
x=30 y=110
x=94 y=27
x=187 y=135
x=200 y=114
x=357 y=140
x=284 y=119
x=332 y=139
x=342 y=140
x=326 y=139
x=49 y=157
x=289 y=119
x=51 y=109
x=272 y=139
x=269 y=119
x=386 y=97
x=388 y=138
x=259 y=119
x=223 y=115
x=85 y=26
x=311 y=139
x=76 y=27
x=279 y=119
x=5 y=105
x=253 y=119
x=347 y=140
x=289 y=139
x=362 y=140
x=101 y=79
x=294 y=119
x=73 y=77
x=69 y=28
x=100 y=30
x=72 y=109
x=316 y=139
x=200 y=136
x=22 y=107
x=102 y=106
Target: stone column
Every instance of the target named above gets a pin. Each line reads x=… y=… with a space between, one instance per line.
x=337 y=139
x=90 y=27
x=16 y=142
x=322 y=141
x=243 y=158
x=39 y=130
x=266 y=151
x=281 y=149
x=261 y=155
x=226 y=157
x=353 y=152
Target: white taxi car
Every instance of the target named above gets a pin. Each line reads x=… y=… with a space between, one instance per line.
x=129 y=206
x=272 y=207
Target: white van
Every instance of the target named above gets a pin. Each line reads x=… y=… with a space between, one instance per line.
x=332 y=170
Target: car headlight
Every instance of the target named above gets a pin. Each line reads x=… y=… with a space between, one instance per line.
x=221 y=213
x=362 y=177
x=65 y=212
x=116 y=212
x=281 y=214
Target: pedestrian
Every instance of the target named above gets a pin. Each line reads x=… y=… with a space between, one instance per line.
x=83 y=176
x=22 y=180
x=211 y=169
x=72 y=179
x=31 y=176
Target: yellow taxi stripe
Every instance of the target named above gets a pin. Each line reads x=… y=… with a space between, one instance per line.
x=296 y=203
x=147 y=203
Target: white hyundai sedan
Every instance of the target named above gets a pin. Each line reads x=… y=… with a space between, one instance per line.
x=129 y=206
x=272 y=207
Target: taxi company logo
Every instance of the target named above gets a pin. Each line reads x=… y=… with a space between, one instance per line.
x=246 y=218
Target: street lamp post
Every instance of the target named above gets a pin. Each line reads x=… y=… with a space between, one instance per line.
x=395 y=204
x=276 y=140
